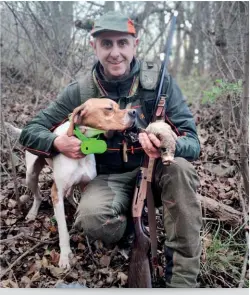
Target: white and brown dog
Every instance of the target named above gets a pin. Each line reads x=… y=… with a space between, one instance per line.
x=101 y=114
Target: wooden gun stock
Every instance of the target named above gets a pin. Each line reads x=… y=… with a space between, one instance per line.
x=139 y=266
x=139 y=274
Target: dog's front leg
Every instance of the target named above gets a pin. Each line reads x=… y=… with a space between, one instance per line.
x=57 y=199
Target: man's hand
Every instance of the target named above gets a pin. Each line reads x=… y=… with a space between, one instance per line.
x=150 y=143
x=69 y=146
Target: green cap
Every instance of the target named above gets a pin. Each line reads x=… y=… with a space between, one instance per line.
x=113 y=21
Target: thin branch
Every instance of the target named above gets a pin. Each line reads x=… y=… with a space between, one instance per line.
x=19 y=259
x=11 y=238
x=36 y=20
x=90 y=250
x=95 y=4
x=13 y=165
x=30 y=39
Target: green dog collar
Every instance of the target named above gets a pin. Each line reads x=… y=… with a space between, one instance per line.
x=90 y=145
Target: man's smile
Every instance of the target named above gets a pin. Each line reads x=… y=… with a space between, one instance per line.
x=115 y=63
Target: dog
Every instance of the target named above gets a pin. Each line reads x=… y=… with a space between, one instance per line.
x=93 y=117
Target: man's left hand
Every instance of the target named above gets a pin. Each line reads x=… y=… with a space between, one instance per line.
x=151 y=144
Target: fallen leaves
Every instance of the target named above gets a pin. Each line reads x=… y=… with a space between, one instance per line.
x=94 y=265
x=8 y=284
x=56 y=272
x=105 y=260
x=122 y=277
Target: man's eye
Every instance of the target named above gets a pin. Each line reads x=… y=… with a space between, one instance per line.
x=106 y=43
x=123 y=42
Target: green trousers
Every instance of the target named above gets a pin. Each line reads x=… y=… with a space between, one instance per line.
x=106 y=203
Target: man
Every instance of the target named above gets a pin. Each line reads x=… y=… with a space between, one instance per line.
x=106 y=201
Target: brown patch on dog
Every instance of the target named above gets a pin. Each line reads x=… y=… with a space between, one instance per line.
x=54 y=194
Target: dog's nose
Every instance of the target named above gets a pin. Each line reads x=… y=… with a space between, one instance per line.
x=133 y=113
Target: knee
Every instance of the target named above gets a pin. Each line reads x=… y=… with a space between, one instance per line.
x=100 y=221
x=180 y=172
x=180 y=169
x=181 y=166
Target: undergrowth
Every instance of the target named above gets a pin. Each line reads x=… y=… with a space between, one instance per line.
x=223 y=255
x=220 y=89
x=192 y=86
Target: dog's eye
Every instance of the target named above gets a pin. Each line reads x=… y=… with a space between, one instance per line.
x=109 y=109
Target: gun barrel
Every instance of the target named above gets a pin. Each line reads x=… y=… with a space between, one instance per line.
x=165 y=62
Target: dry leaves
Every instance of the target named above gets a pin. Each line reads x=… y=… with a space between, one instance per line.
x=93 y=267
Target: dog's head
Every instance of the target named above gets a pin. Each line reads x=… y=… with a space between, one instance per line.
x=103 y=114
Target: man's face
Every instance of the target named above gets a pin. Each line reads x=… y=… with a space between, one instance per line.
x=115 y=52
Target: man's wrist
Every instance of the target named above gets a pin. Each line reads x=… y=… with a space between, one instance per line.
x=54 y=144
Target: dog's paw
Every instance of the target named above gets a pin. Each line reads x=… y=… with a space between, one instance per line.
x=31 y=216
x=64 y=259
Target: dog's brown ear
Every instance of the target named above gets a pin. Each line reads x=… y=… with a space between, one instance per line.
x=74 y=118
x=72 y=122
x=71 y=129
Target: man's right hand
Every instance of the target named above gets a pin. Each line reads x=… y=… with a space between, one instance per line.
x=69 y=146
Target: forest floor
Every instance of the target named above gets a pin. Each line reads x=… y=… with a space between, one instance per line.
x=29 y=252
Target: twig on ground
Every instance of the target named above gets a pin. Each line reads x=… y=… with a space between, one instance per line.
x=90 y=250
x=113 y=254
x=21 y=235
x=7 y=173
x=19 y=259
x=51 y=241
x=11 y=238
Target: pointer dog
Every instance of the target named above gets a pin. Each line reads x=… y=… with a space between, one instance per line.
x=102 y=114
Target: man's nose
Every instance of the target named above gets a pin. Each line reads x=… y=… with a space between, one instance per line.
x=115 y=51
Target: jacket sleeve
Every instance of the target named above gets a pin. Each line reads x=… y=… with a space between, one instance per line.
x=180 y=118
x=37 y=136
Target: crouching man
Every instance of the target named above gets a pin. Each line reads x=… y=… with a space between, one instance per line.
x=106 y=201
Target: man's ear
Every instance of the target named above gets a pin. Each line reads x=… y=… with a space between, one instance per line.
x=136 y=42
x=93 y=44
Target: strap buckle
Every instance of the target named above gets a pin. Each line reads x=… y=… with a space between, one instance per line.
x=160 y=112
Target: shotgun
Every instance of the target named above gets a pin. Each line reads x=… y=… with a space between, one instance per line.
x=141 y=269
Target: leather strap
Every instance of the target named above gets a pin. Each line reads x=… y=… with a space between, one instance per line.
x=160 y=112
x=160 y=115
x=152 y=217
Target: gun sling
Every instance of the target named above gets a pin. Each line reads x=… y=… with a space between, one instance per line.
x=159 y=115
x=139 y=268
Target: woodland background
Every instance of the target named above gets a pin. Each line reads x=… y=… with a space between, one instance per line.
x=44 y=46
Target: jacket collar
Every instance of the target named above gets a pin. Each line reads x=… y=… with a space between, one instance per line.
x=117 y=89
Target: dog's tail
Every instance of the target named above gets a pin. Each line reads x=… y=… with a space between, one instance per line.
x=12 y=131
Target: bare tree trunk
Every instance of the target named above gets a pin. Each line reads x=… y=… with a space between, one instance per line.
x=244 y=118
x=67 y=20
x=192 y=41
x=176 y=62
x=202 y=15
x=55 y=16
x=62 y=22
x=220 y=40
x=235 y=23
